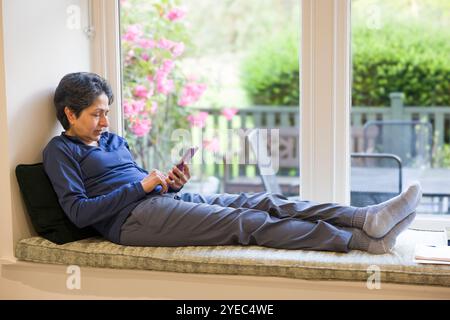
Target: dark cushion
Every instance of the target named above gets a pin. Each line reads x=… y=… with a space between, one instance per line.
x=41 y=201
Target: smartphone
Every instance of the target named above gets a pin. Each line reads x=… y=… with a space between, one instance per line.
x=186 y=157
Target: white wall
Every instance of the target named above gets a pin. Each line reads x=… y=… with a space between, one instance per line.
x=39 y=49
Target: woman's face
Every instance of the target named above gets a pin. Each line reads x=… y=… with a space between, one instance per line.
x=92 y=121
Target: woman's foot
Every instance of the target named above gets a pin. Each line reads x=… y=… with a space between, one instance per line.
x=361 y=241
x=378 y=220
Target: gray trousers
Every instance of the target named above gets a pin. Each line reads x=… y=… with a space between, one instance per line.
x=264 y=219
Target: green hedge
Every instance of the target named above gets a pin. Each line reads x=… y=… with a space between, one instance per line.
x=409 y=60
x=271 y=72
x=413 y=60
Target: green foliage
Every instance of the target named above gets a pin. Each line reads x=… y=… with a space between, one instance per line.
x=236 y=25
x=441 y=157
x=271 y=71
x=413 y=59
x=401 y=59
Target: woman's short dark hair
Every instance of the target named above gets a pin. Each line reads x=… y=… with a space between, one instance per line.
x=79 y=91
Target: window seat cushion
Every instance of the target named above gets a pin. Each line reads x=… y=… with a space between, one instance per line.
x=396 y=267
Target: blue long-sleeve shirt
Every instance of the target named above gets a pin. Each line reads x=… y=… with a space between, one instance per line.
x=96 y=186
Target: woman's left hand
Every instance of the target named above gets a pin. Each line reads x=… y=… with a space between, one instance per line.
x=177 y=179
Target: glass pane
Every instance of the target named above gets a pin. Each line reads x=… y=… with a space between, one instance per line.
x=401 y=101
x=202 y=72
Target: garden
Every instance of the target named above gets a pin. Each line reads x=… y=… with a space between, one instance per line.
x=199 y=64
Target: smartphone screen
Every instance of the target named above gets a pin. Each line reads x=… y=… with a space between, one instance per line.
x=186 y=157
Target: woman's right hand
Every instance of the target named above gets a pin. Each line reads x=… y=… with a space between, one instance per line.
x=153 y=179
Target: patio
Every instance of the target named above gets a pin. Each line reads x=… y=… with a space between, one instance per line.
x=244 y=178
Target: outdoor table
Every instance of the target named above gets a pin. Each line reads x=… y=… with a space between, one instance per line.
x=435 y=182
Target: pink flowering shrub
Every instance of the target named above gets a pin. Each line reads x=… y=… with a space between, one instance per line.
x=198 y=120
x=229 y=113
x=191 y=93
x=155 y=91
x=175 y=14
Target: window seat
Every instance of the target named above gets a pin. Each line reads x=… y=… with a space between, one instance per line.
x=396 y=267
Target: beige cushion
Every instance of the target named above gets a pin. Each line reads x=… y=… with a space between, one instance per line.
x=397 y=266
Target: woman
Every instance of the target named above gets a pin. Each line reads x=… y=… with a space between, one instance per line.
x=100 y=185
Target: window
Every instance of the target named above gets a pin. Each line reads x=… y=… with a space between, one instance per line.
x=400 y=101
x=205 y=78
x=325 y=166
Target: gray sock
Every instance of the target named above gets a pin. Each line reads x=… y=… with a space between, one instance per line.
x=378 y=220
x=361 y=241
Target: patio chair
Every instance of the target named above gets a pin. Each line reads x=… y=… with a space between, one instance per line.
x=285 y=180
x=374 y=178
x=410 y=140
x=279 y=172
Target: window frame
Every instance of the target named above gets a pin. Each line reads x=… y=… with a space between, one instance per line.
x=106 y=54
x=325 y=101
